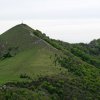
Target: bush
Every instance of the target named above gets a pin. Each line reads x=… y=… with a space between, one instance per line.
x=25 y=76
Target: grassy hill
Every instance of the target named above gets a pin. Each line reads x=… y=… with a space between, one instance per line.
x=34 y=66
x=30 y=55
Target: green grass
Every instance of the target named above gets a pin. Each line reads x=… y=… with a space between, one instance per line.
x=33 y=62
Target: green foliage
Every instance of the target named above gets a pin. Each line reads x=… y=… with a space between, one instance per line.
x=25 y=76
x=16 y=94
x=86 y=53
x=57 y=87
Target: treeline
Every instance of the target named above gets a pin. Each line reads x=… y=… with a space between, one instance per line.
x=79 y=60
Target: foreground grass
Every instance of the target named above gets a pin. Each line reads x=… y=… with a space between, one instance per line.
x=35 y=62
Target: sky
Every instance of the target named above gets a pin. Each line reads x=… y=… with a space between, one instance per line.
x=72 y=21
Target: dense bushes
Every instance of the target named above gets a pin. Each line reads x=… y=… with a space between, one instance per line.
x=64 y=86
x=92 y=59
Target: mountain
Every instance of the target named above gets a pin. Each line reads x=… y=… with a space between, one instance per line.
x=34 y=66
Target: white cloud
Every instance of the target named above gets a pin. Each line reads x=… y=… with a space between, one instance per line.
x=68 y=20
x=47 y=9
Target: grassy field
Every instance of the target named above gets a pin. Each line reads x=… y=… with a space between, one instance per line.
x=35 y=62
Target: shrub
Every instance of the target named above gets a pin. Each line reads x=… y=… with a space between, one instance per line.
x=25 y=76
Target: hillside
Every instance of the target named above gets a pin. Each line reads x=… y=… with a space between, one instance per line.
x=34 y=66
x=22 y=52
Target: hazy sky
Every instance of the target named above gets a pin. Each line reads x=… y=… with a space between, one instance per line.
x=67 y=20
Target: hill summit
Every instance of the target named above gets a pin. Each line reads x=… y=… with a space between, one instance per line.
x=22 y=37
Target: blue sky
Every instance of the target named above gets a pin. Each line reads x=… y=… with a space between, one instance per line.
x=68 y=20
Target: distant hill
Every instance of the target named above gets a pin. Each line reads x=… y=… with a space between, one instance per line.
x=32 y=65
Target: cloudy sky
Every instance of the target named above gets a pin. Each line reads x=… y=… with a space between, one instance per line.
x=68 y=20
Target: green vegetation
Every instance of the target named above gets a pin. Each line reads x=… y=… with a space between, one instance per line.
x=33 y=66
